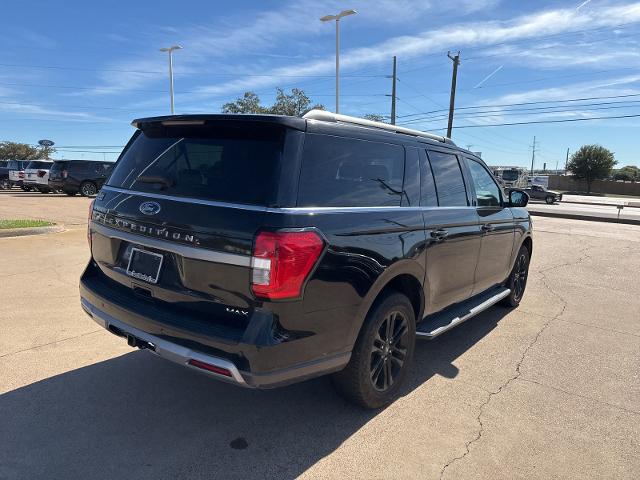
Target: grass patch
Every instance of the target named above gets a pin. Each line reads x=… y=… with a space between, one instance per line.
x=8 y=223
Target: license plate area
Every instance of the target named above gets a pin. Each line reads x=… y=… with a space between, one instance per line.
x=144 y=265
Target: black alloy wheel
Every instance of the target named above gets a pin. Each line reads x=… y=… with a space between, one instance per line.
x=517 y=281
x=389 y=351
x=381 y=355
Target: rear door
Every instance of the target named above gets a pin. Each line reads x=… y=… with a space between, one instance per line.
x=177 y=219
x=497 y=225
x=453 y=230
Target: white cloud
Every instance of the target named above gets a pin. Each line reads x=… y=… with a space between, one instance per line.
x=257 y=31
x=476 y=34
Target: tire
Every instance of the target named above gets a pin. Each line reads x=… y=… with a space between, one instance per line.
x=374 y=360
x=549 y=200
x=517 y=280
x=5 y=184
x=88 y=189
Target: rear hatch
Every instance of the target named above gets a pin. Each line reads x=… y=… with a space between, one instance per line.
x=56 y=171
x=37 y=171
x=175 y=223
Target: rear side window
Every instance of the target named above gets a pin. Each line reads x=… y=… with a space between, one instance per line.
x=449 y=180
x=237 y=165
x=347 y=172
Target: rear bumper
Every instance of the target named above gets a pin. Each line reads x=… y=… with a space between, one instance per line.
x=55 y=184
x=243 y=354
x=165 y=349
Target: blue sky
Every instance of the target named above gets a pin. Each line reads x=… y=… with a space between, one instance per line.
x=78 y=72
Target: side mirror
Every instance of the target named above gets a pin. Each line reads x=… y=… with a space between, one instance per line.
x=518 y=198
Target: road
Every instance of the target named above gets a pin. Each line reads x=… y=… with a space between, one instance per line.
x=549 y=390
x=599 y=211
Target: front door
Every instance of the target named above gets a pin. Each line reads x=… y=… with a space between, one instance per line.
x=497 y=225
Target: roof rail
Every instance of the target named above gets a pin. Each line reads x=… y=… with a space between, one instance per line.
x=337 y=118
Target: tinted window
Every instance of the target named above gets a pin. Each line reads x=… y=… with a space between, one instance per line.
x=57 y=166
x=224 y=164
x=38 y=164
x=449 y=180
x=428 y=197
x=487 y=192
x=346 y=172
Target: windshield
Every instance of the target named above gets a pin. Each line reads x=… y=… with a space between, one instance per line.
x=223 y=164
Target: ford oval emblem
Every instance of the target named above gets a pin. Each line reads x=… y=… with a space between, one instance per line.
x=150 y=208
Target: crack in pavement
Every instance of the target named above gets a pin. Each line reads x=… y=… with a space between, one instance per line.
x=573 y=394
x=52 y=343
x=517 y=371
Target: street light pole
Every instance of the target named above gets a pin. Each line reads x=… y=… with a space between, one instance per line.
x=170 y=51
x=337 y=18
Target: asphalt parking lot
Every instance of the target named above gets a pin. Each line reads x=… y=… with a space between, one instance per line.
x=549 y=390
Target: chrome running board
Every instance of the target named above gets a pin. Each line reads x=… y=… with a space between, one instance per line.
x=443 y=321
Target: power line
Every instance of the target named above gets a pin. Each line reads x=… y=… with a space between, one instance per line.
x=543 y=121
x=155 y=72
x=540 y=102
x=523 y=112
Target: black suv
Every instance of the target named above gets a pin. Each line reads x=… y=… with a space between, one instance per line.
x=73 y=176
x=264 y=250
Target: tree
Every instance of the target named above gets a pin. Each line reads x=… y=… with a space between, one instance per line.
x=590 y=163
x=248 y=103
x=374 y=117
x=295 y=104
x=23 y=151
x=628 y=174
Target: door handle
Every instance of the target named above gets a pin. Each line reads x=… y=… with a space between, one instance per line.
x=439 y=234
x=487 y=227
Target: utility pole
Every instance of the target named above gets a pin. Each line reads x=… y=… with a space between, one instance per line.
x=533 y=154
x=452 y=100
x=393 y=93
x=566 y=162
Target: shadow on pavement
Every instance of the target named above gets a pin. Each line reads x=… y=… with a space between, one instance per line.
x=138 y=416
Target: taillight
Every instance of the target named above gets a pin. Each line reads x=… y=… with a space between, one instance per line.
x=89 y=217
x=282 y=261
x=64 y=173
x=41 y=173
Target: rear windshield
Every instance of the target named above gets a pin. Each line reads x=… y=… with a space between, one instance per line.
x=57 y=166
x=37 y=164
x=237 y=165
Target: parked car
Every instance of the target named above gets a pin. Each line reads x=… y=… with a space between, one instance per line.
x=263 y=250
x=16 y=173
x=4 y=175
x=83 y=176
x=36 y=175
x=539 y=192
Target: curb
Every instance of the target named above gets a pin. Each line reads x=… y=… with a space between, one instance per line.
x=625 y=204
x=589 y=218
x=22 y=232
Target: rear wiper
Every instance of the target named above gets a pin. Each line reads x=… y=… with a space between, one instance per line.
x=165 y=182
